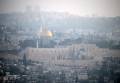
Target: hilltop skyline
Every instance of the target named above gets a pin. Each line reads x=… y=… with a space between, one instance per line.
x=108 y=8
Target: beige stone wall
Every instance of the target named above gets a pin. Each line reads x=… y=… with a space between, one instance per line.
x=46 y=54
x=58 y=55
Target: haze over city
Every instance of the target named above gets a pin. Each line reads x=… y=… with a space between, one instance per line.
x=59 y=41
x=109 y=8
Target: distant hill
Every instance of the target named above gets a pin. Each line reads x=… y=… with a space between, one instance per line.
x=16 y=27
x=60 y=21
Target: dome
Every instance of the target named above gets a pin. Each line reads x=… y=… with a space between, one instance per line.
x=49 y=33
x=45 y=33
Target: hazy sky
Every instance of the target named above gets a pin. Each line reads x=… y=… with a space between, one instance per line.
x=80 y=7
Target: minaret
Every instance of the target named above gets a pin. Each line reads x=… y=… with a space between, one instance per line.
x=37 y=44
x=38 y=34
x=38 y=37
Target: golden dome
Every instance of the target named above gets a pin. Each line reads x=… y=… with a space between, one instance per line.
x=45 y=33
x=49 y=33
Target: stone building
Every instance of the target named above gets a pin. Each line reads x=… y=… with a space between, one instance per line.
x=71 y=56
